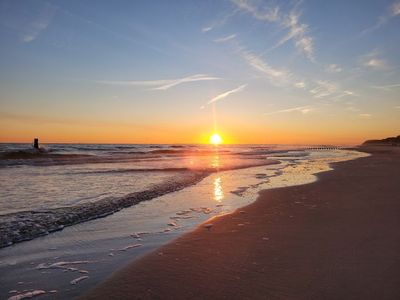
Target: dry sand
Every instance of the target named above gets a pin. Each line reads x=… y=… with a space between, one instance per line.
x=337 y=238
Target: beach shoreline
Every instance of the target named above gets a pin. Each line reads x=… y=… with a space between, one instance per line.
x=108 y=244
x=334 y=239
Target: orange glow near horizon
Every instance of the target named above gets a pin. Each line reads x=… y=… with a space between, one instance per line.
x=196 y=131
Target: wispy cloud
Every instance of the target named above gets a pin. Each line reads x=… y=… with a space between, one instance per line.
x=386 y=87
x=282 y=77
x=375 y=63
x=365 y=116
x=329 y=90
x=300 y=84
x=299 y=33
x=395 y=9
x=225 y=39
x=220 y=21
x=333 y=68
x=160 y=84
x=25 y=22
x=373 y=60
x=206 y=28
x=391 y=12
x=344 y=94
x=270 y=14
x=175 y=82
x=227 y=93
x=302 y=109
x=305 y=45
x=324 y=89
x=40 y=23
x=275 y=76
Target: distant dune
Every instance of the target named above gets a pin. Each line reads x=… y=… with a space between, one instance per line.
x=394 y=141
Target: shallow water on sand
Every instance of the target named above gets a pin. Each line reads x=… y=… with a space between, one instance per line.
x=99 y=247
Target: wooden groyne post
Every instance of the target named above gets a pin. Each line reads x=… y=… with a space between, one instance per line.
x=36 y=143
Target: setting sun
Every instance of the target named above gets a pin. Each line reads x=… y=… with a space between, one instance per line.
x=215 y=139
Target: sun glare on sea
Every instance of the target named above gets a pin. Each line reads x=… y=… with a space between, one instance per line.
x=215 y=139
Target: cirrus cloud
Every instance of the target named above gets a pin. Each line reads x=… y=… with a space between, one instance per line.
x=160 y=84
x=302 y=109
x=333 y=68
x=227 y=93
x=297 y=31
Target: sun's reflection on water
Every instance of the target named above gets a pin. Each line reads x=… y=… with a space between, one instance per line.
x=215 y=162
x=218 y=192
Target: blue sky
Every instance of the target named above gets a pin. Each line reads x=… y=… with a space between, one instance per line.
x=271 y=71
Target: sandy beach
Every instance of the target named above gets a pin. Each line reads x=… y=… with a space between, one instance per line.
x=336 y=238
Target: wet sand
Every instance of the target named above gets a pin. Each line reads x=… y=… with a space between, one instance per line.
x=337 y=238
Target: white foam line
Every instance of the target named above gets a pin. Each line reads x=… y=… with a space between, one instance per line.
x=77 y=280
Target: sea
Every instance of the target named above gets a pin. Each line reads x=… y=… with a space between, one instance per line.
x=83 y=211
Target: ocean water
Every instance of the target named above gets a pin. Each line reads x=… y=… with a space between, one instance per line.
x=67 y=175
x=154 y=192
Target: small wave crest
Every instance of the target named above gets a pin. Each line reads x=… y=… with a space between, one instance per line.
x=34 y=154
x=138 y=170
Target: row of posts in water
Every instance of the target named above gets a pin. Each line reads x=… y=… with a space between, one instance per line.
x=314 y=148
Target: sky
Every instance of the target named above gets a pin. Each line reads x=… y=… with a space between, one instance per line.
x=293 y=72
